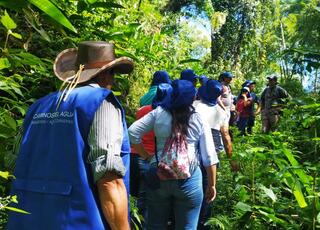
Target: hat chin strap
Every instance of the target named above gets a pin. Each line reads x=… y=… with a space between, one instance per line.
x=70 y=86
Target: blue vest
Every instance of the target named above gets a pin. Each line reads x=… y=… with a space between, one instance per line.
x=53 y=181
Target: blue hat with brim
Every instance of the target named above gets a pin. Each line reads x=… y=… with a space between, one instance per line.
x=210 y=91
x=163 y=96
x=189 y=75
x=159 y=77
x=183 y=94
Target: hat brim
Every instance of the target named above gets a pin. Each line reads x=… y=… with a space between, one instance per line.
x=65 y=67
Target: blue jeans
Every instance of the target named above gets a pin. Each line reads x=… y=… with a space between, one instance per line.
x=183 y=196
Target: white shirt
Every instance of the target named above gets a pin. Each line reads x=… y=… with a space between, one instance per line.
x=214 y=115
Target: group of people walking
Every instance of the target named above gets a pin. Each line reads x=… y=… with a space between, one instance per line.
x=73 y=167
x=249 y=105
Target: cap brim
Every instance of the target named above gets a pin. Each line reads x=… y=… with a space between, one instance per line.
x=65 y=66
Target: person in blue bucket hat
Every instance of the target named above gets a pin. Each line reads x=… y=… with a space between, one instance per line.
x=159 y=77
x=184 y=196
x=189 y=75
x=72 y=171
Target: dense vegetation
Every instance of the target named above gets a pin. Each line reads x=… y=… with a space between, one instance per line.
x=278 y=185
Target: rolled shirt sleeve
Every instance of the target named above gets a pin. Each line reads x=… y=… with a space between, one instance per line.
x=105 y=140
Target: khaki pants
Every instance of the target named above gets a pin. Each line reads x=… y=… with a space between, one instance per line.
x=270 y=119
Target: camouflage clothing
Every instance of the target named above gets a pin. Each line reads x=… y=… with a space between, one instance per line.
x=272 y=101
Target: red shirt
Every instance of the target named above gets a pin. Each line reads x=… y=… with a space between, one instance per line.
x=148 y=138
x=244 y=111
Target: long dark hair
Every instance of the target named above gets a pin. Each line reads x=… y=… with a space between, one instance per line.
x=180 y=120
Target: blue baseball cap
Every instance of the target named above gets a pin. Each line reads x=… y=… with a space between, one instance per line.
x=210 y=91
x=189 y=75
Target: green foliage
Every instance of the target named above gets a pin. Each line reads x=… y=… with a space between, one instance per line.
x=278 y=186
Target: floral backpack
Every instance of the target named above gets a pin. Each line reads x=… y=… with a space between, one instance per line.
x=173 y=162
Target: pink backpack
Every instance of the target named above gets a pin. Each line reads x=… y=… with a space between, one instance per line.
x=173 y=162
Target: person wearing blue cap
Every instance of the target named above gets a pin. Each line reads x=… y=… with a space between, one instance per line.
x=159 y=77
x=189 y=75
x=140 y=166
x=177 y=120
x=254 y=111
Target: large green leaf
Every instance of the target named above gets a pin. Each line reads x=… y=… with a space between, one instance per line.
x=5 y=175
x=269 y=193
x=301 y=174
x=4 y=63
x=50 y=9
x=242 y=206
x=299 y=195
x=7 y=21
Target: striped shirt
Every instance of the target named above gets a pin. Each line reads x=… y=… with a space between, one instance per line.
x=105 y=140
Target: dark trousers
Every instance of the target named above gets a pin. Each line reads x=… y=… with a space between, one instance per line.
x=242 y=124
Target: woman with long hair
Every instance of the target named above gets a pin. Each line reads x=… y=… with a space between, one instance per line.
x=176 y=122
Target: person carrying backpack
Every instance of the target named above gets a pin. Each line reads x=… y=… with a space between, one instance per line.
x=182 y=140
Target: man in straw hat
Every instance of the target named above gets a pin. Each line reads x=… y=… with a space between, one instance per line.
x=72 y=168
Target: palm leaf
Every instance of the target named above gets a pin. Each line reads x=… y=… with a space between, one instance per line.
x=50 y=9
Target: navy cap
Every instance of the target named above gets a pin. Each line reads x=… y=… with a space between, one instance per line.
x=189 y=75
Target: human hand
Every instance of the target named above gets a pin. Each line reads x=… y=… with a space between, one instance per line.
x=210 y=194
